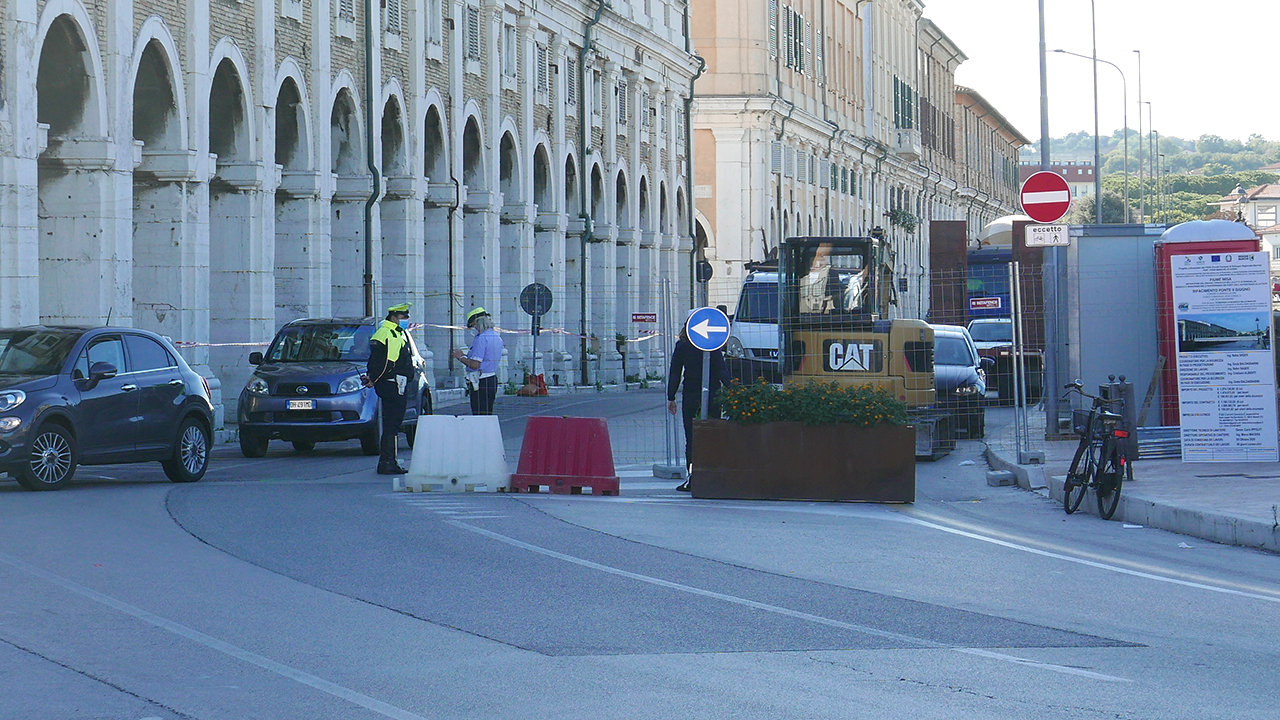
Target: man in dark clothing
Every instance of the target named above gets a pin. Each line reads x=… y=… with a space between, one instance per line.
x=686 y=362
x=389 y=370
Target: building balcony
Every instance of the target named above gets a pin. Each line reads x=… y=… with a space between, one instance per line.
x=909 y=146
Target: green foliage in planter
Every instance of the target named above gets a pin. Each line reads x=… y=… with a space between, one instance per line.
x=812 y=404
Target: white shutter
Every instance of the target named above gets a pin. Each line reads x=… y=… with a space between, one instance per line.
x=775 y=157
x=473 y=32
x=791 y=162
x=807 y=62
x=622 y=102
x=773 y=28
x=543 y=81
x=347 y=9
x=571 y=80
x=802 y=172
x=820 y=70
x=393 y=16
x=824 y=174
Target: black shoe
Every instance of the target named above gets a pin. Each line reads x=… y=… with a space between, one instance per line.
x=393 y=469
x=684 y=486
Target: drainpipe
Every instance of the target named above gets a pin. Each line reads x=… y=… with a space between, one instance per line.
x=688 y=156
x=369 y=23
x=583 y=134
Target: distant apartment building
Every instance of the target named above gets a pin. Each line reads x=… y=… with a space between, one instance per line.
x=1077 y=173
x=838 y=117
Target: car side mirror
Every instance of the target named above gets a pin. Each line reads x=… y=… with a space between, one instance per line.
x=987 y=363
x=98 y=372
x=255 y=358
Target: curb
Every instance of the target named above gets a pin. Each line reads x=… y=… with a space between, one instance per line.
x=1136 y=509
x=1028 y=477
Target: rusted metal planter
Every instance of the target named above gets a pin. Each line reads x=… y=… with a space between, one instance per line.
x=793 y=461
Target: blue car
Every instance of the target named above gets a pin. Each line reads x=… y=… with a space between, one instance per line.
x=306 y=388
x=98 y=395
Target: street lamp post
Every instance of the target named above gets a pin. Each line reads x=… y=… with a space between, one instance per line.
x=1124 y=84
x=1151 y=150
x=1097 y=155
x=1142 y=192
x=1162 y=168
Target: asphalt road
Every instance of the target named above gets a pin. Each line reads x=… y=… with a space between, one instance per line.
x=300 y=586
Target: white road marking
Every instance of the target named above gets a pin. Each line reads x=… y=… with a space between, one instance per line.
x=777 y=610
x=878 y=513
x=226 y=648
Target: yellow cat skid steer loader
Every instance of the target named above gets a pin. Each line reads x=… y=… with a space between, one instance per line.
x=833 y=325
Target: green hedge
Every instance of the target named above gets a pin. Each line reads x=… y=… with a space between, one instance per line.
x=812 y=404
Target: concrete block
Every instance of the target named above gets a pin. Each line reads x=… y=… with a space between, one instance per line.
x=456 y=454
x=1000 y=478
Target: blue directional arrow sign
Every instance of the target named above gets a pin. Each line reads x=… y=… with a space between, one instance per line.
x=707 y=328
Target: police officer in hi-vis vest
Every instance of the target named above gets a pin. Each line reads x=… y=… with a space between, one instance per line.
x=389 y=371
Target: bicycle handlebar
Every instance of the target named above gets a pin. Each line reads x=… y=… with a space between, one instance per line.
x=1078 y=388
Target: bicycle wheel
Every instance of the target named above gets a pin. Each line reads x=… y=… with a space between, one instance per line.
x=1107 y=482
x=1076 y=484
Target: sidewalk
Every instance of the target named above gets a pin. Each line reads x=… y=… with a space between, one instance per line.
x=1231 y=503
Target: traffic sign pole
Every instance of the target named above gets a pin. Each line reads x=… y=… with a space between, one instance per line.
x=706 y=384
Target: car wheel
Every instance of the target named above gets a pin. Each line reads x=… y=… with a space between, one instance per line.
x=51 y=461
x=303 y=446
x=252 y=446
x=191 y=453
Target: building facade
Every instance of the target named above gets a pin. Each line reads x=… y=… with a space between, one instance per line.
x=211 y=169
x=837 y=117
x=1077 y=173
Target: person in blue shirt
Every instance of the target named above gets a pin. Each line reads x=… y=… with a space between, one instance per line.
x=686 y=364
x=482 y=362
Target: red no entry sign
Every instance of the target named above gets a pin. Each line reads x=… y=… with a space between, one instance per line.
x=1045 y=197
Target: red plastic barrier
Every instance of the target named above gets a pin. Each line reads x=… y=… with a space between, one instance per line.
x=566 y=455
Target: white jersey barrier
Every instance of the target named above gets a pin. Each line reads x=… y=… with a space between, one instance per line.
x=456 y=454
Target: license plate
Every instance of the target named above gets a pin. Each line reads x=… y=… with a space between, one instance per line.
x=302 y=404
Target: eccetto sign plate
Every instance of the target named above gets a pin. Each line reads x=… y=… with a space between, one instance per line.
x=1047 y=236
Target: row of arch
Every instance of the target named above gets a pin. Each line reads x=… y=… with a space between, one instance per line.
x=250 y=292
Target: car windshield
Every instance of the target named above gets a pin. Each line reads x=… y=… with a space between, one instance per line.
x=319 y=343
x=992 y=332
x=35 y=352
x=951 y=351
x=759 y=303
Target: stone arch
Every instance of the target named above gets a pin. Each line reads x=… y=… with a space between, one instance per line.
x=646 y=221
x=239 y=299
x=394 y=158
x=664 y=213
x=597 y=196
x=543 y=194
x=509 y=172
x=231 y=101
x=473 y=161
x=293 y=142
x=70 y=73
x=621 y=201
x=77 y=261
x=572 y=188
x=155 y=63
x=435 y=146
x=682 y=217
x=159 y=237
x=346 y=135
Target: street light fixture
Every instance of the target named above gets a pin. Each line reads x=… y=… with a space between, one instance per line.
x=1124 y=84
x=1242 y=199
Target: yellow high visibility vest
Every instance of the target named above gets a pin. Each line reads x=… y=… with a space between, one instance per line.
x=390 y=334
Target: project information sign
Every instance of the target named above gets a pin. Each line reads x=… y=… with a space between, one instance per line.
x=1226 y=369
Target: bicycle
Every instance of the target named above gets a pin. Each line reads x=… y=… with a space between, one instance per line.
x=1099 y=463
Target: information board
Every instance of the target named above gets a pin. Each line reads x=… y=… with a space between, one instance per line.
x=1226 y=365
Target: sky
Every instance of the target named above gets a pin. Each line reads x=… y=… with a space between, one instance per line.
x=1206 y=67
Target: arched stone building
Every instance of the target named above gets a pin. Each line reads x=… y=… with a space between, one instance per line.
x=203 y=168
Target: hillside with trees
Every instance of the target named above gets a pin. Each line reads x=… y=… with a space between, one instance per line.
x=1193 y=173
